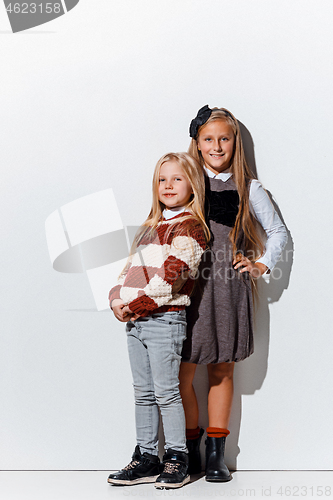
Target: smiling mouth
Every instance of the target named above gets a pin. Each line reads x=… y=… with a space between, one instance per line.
x=217 y=156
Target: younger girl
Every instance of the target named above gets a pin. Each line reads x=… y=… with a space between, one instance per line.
x=151 y=296
x=220 y=330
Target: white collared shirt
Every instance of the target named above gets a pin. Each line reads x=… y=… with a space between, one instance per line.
x=265 y=213
x=169 y=213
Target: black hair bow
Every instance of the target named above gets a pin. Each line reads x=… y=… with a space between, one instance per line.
x=201 y=118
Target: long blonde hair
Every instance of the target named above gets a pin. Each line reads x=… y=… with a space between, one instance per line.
x=195 y=174
x=245 y=231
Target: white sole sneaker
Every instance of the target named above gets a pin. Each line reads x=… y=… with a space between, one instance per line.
x=162 y=486
x=140 y=480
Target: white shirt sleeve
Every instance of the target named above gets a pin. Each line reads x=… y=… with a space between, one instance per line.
x=264 y=211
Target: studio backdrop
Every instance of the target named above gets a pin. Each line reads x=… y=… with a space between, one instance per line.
x=92 y=94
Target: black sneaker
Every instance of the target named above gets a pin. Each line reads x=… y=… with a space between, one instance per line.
x=174 y=474
x=143 y=468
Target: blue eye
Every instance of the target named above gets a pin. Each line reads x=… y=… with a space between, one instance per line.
x=208 y=139
x=161 y=180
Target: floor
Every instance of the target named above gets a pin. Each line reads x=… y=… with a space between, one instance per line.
x=92 y=485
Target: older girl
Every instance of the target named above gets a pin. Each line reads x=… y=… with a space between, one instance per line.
x=220 y=318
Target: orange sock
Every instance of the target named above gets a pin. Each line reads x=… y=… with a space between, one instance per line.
x=217 y=432
x=193 y=433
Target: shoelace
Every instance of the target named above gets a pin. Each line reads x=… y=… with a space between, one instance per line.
x=131 y=465
x=170 y=467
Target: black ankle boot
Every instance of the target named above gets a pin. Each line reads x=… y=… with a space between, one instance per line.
x=216 y=470
x=174 y=474
x=143 y=468
x=194 y=459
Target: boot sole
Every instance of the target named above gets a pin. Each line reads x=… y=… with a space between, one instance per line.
x=166 y=486
x=128 y=482
x=217 y=480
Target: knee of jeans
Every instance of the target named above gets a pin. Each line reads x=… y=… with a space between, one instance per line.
x=143 y=397
x=168 y=398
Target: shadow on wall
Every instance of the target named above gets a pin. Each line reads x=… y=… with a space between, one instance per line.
x=250 y=373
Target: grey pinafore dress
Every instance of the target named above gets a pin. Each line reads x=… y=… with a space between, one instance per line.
x=220 y=317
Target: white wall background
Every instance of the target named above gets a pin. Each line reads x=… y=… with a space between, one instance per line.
x=91 y=101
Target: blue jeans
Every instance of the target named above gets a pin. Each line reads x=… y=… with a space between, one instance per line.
x=154 y=345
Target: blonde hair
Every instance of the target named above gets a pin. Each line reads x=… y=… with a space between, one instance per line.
x=195 y=175
x=245 y=231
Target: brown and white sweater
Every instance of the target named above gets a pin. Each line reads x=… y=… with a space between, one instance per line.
x=160 y=276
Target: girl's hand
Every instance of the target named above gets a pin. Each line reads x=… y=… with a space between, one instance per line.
x=117 y=306
x=256 y=269
x=131 y=314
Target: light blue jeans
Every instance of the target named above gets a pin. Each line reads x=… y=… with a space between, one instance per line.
x=154 y=345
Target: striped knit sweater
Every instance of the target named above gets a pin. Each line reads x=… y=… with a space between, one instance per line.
x=160 y=276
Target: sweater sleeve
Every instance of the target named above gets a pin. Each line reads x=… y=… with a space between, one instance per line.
x=115 y=291
x=181 y=262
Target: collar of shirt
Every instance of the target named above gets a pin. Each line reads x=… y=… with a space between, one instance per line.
x=223 y=176
x=168 y=214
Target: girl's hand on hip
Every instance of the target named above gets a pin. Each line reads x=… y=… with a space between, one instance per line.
x=130 y=314
x=256 y=269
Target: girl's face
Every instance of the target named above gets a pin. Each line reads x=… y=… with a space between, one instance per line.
x=174 y=189
x=216 y=143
